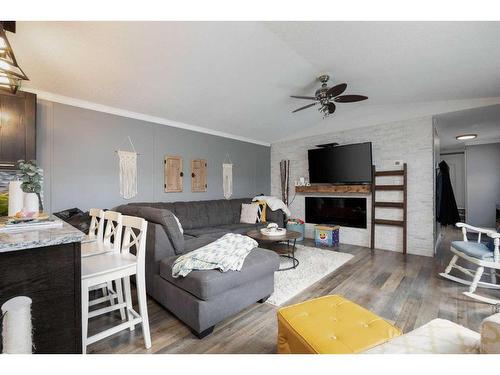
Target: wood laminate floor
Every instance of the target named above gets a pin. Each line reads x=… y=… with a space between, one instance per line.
x=405 y=290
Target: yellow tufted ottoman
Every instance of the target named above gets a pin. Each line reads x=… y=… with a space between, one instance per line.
x=330 y=325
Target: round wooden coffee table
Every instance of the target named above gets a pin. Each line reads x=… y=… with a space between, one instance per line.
x=288 y=236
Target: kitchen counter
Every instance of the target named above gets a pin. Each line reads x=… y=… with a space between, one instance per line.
x=34 y=238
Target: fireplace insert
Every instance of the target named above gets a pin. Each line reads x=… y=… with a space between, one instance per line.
x=347 y=212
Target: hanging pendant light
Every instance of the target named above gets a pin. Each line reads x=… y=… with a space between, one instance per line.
x=11 y=75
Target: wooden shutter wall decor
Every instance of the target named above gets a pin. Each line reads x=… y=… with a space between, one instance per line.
x=173 y=174
x=198 y=175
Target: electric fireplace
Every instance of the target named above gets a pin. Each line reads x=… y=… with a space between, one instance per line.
x=343 y=211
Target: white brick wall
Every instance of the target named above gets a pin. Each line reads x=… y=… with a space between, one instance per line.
x=410 y=141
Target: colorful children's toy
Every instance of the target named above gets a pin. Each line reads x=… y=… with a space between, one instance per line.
x=326 y=235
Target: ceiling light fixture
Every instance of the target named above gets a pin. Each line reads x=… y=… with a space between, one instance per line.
x=465 y=137
x=11 y=75
x=326 y=96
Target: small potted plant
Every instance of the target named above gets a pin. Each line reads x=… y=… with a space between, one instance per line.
x=31 y=176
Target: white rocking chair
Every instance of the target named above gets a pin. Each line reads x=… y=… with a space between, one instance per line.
x=479 y=254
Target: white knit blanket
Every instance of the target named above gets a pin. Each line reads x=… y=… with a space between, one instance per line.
x=274 y=204
x=226 y=254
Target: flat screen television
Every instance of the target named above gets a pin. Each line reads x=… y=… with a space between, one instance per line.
x=348 y=164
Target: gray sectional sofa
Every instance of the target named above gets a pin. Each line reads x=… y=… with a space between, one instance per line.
x=203 y=298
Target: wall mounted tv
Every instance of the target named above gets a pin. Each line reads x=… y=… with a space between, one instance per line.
x=347 y=164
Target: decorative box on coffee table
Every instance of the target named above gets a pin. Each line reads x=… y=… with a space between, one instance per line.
x=326 y=235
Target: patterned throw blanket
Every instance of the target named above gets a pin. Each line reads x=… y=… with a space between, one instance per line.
x=226 y=254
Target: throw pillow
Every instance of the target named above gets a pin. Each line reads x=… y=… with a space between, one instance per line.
x=261 y=213
x=249 y=213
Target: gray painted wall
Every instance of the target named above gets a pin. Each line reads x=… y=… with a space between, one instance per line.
x=483 y=184
x=75 y=147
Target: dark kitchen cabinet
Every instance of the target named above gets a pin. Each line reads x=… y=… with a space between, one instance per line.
x=51 y=277
x=17 y=128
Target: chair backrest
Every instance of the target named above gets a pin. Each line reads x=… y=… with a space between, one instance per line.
x=134 y=235
x=469 y=228
x=96 y=229
x=113 y=229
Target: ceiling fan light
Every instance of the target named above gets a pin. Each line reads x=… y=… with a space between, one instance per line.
x=466 y=137
x=325 y=96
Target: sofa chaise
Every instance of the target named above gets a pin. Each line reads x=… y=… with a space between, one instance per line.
x=202 y=298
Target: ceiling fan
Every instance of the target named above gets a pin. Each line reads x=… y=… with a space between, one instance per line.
x=326 y=96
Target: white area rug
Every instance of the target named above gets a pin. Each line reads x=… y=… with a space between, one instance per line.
x=314 y=264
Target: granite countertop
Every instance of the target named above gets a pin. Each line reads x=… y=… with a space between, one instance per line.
x=29 y=239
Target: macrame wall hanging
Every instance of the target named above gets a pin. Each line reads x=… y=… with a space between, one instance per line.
x=227 y=177
x=128 y=171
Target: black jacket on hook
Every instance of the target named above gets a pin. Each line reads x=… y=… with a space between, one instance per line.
x=446 y=206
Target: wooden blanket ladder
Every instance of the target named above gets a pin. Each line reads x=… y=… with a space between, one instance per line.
x=384 y=204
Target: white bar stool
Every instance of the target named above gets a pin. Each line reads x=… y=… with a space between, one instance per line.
x=117 y=266
x=96 y=229
x=92 y=242
x=106 y=230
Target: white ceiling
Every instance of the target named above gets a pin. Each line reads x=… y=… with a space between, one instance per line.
x=236 y=77
x=484 y=121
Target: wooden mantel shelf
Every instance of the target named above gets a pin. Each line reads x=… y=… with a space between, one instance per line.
x=325 y=189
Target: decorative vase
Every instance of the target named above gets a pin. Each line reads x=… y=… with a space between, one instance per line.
x=16 y=197
x=31 y=203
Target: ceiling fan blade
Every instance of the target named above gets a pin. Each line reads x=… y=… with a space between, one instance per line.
x=350 y=98
x=336 y=90
x=331 y=107
x=304 y=107
x=303 y=97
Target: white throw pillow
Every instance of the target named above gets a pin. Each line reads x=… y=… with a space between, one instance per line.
x=179 y=224
x=249 y=213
